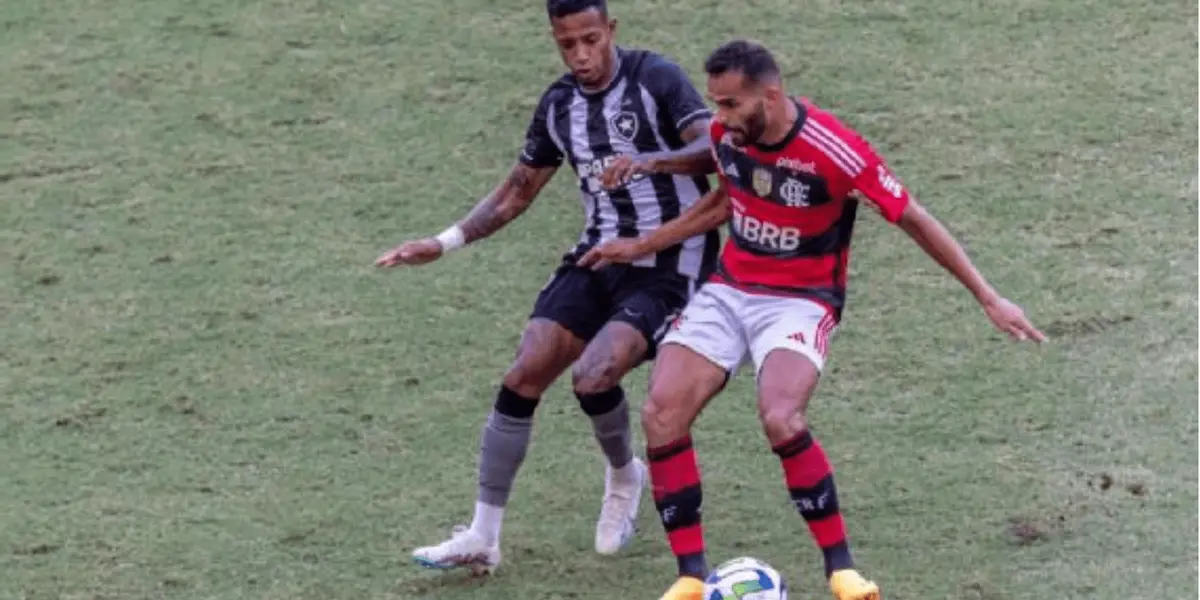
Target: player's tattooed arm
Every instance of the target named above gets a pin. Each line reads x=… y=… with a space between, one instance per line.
x=493 y=212
x=515 y=194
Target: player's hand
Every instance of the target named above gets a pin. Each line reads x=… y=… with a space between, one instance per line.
x=620 y=250
x=622 y=169
x=416 y=252
x=1010 y=319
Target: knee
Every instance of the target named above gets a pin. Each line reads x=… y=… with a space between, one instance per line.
x=526 y=379
x=782 y=420
x=592 y=377
x=664 y=420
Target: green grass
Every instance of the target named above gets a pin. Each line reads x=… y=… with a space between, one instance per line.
x=209 y=392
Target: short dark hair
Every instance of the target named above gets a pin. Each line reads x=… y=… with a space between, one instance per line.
x=556 y=9
x=751 y=59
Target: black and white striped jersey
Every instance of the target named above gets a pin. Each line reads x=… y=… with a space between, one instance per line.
x=646 y=107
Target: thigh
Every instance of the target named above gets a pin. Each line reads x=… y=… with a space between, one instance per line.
x=681 y=384
x=644 y=303
x=710 y=327
x=574 y=300
x=795 y=325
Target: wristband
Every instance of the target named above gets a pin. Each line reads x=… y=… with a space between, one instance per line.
x=452 y=238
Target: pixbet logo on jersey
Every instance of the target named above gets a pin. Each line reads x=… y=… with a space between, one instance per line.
x=797 y=165
x=591 y=170
x=765 y=234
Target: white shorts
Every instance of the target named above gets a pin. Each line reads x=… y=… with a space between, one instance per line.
x=728 y=326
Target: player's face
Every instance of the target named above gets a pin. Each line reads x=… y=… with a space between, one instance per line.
x=585 y=42
x=741 y=107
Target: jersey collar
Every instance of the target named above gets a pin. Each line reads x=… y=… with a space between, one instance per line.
x=801 y=117
x=618 y=73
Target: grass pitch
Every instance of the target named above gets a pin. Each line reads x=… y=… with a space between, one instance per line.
x=208 y=391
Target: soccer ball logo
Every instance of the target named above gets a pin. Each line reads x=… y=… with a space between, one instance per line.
x=745 y=579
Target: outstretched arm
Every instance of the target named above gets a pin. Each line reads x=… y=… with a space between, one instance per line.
x=540 y=158
x=875 y=186
x=706 y=214
x=515 y=194
x=939 y=244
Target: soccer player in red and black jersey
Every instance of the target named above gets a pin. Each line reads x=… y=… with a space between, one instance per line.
x=792 y=177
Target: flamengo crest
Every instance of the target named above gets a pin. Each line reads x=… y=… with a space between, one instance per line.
x=762 y=183
x=794 y=192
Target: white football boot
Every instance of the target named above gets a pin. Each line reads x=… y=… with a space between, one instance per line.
x=618 y=515
x=465 y=548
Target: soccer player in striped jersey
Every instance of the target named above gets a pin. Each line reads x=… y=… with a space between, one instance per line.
x=791 y=179
x=614 y=102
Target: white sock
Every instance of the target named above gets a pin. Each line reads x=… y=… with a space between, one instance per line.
x=626 y=474
x=487 y=521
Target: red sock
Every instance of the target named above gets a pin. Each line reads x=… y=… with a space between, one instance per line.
x=809 y=479
x=675 y=478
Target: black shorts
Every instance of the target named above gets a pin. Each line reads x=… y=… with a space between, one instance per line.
x=583 y=300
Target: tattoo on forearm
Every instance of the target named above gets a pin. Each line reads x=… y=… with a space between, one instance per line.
x=499 y=207
x=518 y=180
x=483 y=220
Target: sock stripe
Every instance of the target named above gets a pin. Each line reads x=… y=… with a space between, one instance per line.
x=837 y=557
x=693 y=565
x=687 y=540
x=594 y=405
x=801 y=442
x=667 y=451
x=674 y=473
x=512 y=404
x=808 y=469
x=680 y=509
x=828 y=532
x=815 y=504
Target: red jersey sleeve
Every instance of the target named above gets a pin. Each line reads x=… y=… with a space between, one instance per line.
x=877 y=187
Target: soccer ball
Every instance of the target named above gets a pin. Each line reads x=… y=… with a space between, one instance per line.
x=745 y=578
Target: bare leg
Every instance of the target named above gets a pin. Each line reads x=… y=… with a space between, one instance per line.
x=681 y=385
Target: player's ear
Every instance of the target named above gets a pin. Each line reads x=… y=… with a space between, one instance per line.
x=612 y=26
x=772 y=92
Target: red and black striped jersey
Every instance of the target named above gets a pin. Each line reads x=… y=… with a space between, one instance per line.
x=794 y=205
